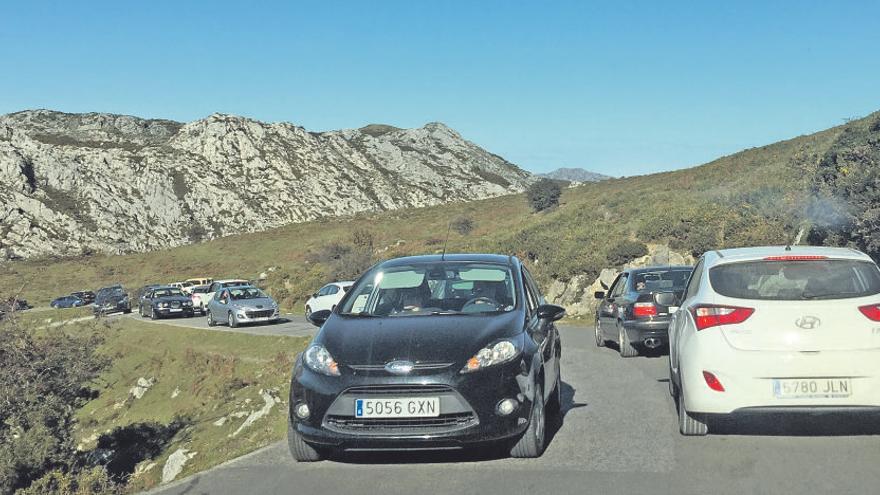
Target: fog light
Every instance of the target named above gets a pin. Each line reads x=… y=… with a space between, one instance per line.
x=302 y=410
x=506 y=406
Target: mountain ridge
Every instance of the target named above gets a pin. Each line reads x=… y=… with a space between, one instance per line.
x=575 y=174
x=98 y=182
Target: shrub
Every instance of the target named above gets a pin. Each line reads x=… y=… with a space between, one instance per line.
x=463 y=225
x=544 y=194
x=94 y=481
x=626 y=251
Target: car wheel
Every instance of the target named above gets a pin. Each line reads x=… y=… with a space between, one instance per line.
x=689 y=424
x=532 y=442
x=308 y=312
x=231 y=321
x=600 y=339
x=299 y=449
x=153 y=314
x=626 y=348
x=211 y=321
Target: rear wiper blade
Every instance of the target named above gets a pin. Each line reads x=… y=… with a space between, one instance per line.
x=808 y=295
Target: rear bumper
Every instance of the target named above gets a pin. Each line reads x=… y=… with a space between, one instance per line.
x=748 y=379
x=640 y=331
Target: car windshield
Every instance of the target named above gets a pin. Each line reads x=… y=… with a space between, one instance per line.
x=796 y=280
x=241 y=293
x=660 y=280
x=431 y=289
x=167 y=293
x=202 y=289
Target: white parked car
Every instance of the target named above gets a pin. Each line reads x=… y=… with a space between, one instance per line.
x=775 y=329
x=327 y=297
x=217 y=285
x=199 y=296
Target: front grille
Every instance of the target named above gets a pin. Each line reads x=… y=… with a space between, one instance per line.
x=175 y=304
x=424 y=366
x=442 y=423
x=265 y=313
x=397 y=390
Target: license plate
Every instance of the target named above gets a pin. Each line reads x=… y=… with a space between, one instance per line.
x=176 y=310
x=421 y=407
x=812 y=388
x=672 y=309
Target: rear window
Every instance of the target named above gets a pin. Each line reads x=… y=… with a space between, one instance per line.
x=796 y=280
x=660 y=280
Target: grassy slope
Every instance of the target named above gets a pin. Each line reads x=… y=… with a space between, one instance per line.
x=216 y=374
x=574 y=238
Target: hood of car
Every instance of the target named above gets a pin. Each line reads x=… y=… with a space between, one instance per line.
x=258 y=303
x=420 y=339
x=111 y=298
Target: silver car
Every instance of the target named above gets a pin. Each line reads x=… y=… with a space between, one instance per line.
x=240 y=305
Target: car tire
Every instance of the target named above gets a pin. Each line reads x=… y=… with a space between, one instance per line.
x=531 y=444
x=211 y=322
x=623 y=344
x=690 y=425
x=600 y=338
x=230 y=320
x=299 y=448
x=153 y=315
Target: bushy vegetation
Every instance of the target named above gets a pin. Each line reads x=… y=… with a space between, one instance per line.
x=544 y=194
x=44 y=379
x=463 y=225
x=626 y=251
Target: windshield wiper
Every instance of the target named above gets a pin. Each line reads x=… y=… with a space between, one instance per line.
x=433 y=313
x=362 y=314
x=821 y=295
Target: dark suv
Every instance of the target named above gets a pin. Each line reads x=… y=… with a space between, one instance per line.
x=636 y=310
x=430 y=352
x=112 y=299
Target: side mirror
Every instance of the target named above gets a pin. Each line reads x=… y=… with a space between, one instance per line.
x=599 y=294
x=550 y=312
x=318 y=318
x=666 y=299
x=315 y=294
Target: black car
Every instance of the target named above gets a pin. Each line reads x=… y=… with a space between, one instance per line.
x=112 y=299
x=162 y=302
x=430 y=352
x=87 y=296
x=636 y=310
x=66 y=302
x=14 y=304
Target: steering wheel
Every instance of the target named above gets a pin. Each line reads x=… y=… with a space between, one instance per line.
x=479 y=300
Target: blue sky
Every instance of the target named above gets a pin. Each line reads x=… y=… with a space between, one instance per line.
x=621 y=88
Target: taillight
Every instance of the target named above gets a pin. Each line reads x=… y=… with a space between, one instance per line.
x=706 y=315
x=872 y=311
x=643 y=309
x=796 y=257
x=713 y=382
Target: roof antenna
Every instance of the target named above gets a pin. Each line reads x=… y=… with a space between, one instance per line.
x=446 y=241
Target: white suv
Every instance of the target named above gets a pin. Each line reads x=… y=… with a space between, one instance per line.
x=776 y=329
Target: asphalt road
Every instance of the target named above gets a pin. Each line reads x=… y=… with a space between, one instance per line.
x=287 y=325
x=618 y=435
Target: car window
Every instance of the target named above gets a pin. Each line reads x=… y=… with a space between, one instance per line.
x=620 y=285
x=530 y=297
x=693 y=284
x=332 y=289
x=533 y=286
x=660 y=280
x=240 y=293
x=796 y=280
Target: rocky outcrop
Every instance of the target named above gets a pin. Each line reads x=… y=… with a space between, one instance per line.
x=78 y=183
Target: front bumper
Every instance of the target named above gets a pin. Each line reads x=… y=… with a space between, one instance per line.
x=168 y=312
x=467 y=408
x=112 y=308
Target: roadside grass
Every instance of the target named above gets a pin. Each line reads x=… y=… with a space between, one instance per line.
x=203 y=386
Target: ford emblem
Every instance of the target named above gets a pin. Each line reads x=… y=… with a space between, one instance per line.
x=399 y=367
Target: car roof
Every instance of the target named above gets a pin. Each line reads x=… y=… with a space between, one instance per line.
x=436 y=258
x=760 y=252
x=668 y=268
x=226 y=281
x=163 y=287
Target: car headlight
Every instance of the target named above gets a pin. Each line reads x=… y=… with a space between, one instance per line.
x=491 y=355
x=187 y=303
x=163 y=304
x=317 y=359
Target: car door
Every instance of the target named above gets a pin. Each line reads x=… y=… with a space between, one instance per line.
x=680 y=318
x=544 y=333
x=321 y=300
x=220 y=303
x=609 y=306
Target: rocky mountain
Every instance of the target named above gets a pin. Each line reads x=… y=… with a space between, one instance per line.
x=79 y=183
x=575 y=175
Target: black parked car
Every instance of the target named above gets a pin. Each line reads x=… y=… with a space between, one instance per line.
x=430 y=352
x=162 y=302
x=87 y=296
x=636 y=310
x=112 y=299
x=66 y=302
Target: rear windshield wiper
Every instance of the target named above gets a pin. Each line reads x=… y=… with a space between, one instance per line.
x=822 y=295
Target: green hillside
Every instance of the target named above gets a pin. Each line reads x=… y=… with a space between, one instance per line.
x=756 y=196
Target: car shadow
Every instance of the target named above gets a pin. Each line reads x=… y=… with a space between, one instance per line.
x=478 y=454
x=796 y=425
x=643 y=351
